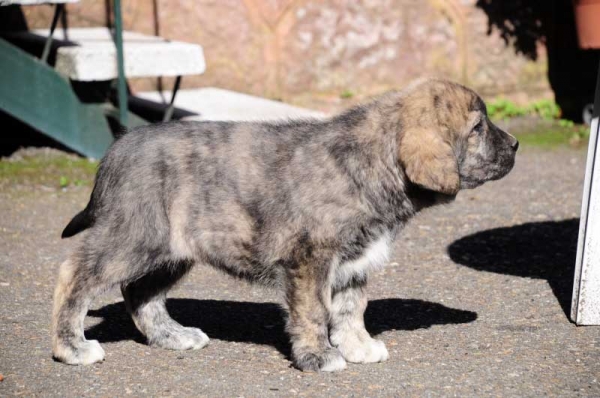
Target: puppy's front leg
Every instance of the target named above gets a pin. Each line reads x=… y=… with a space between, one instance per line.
x=309 y=299
x=348 y=331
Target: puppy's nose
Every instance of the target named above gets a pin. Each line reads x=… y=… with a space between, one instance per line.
x=515 y=145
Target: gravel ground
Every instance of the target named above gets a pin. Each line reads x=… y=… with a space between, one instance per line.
x=472 y=303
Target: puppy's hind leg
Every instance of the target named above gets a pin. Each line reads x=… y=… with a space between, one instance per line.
x=308 y=299
x=145 y=301
x=73 y=294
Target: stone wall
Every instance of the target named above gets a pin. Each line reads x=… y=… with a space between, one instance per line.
x=310 y=52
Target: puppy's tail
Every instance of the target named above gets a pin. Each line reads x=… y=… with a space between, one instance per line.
x=83 y=220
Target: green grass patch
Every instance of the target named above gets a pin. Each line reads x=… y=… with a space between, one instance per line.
x=502 y=108
x=557 y=135
x=346 y=94
x=55 y=170
x=537 y=124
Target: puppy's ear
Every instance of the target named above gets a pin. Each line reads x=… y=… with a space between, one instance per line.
x=429 y=161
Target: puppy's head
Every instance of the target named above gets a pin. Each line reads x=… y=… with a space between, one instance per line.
x=447 y=142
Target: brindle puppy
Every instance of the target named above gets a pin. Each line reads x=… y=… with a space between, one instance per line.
x=307 y=207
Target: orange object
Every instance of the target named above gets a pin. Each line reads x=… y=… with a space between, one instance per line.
x=587 y=18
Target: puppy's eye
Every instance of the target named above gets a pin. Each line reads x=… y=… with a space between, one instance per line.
x=479 y=127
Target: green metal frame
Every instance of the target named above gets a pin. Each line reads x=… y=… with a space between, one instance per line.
x=121 y=84
x=121 y=80
x=34 y=93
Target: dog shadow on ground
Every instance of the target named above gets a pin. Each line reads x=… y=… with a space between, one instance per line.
x=544 y=250
x=263 y=323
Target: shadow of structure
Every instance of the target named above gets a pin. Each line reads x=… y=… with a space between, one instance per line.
x=529 y=25
x=264 y=323
x=544 y=250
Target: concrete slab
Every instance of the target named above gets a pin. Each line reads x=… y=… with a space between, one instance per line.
x=90 y=55
x=217 y=104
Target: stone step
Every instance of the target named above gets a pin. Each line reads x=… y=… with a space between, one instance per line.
x=217 y=104
x=90 y=55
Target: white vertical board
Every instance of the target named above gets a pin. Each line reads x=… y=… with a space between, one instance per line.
x=585 y=306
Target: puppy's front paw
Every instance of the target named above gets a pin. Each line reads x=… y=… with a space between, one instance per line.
x=330 y=360
x=84 y=352
x=358 y=348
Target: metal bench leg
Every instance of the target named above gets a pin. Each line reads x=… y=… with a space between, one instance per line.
x=58 y=9
x=171 y=107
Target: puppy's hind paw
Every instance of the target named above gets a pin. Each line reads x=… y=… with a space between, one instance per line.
x=180 y=338
x=330 y=360
x=84 y=352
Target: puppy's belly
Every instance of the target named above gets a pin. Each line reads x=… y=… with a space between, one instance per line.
x=374 y=257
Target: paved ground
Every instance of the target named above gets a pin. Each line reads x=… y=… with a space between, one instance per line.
x=472 y=304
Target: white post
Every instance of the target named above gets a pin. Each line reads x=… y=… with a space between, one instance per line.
x=585 y=307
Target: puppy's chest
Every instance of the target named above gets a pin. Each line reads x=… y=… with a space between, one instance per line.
x=372 y=256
